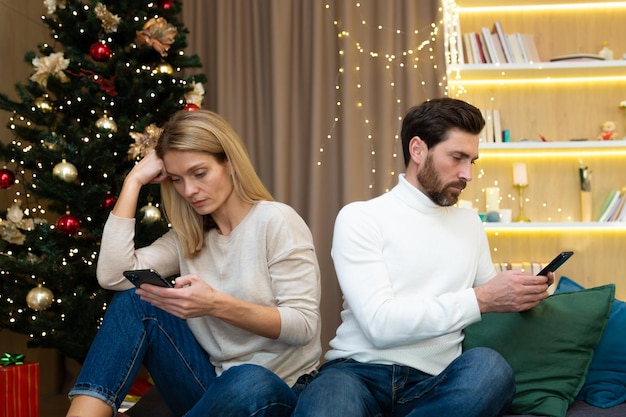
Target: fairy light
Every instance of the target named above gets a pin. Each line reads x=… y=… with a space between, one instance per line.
x=367 y=57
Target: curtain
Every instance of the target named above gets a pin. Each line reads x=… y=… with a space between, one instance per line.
x=317 y=91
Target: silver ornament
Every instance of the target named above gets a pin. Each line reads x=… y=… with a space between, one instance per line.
x=150 y=214
x=39 y=298
x=66 y=171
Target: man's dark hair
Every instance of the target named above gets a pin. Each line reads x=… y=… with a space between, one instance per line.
x=432 y=120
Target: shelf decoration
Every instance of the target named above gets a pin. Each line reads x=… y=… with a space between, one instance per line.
x=520 y=181
x=585 y=193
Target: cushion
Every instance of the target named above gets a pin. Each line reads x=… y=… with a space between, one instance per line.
x=549 y=347
x=605 y=385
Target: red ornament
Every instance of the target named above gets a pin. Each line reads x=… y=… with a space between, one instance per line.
x=166 y=4
x=100 y=52
x=109 y=202
x=7 y=178
x=191 y=107
x=68 y=224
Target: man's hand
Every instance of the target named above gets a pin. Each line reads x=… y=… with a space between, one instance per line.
x=513 y=291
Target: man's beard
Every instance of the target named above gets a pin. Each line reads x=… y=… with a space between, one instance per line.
x=433 y=186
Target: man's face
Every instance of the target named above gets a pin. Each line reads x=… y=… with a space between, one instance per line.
x=447 y=167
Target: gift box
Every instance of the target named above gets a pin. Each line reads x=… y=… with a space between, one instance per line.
x=19 y=390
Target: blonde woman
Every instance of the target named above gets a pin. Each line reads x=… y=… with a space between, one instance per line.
x=242 y=322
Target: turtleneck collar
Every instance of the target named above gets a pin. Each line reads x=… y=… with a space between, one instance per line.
x=414 y=197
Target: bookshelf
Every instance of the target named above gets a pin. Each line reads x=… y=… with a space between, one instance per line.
x=565 y=102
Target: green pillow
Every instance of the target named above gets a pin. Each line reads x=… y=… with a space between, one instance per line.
x=549 y=347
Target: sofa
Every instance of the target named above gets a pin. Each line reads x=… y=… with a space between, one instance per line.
x=568 y=355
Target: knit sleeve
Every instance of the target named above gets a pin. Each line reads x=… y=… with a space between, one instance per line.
x=118 y=254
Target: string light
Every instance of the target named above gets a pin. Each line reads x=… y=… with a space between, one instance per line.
x=388 y=60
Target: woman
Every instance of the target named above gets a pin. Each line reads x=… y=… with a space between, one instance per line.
x=242 y=322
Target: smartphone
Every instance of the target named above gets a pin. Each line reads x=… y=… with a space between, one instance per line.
x=146 y=276
x=556 y=262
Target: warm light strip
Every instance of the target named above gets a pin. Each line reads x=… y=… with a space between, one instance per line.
x=541 y=7
x=534 y=153
x=452 y=81
x=547 y=227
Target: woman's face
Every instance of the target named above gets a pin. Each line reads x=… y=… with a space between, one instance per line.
x=201 y=179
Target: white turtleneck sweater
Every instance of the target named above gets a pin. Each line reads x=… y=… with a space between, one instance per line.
x=406 y=267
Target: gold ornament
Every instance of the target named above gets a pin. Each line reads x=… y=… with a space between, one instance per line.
x=164 y=68
x=150 y=214
x=39 y=298
x=66 y=171
x=43 y=104
x=106 y=123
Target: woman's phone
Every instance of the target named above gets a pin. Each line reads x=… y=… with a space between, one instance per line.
x=146 y=276
x=556 y=262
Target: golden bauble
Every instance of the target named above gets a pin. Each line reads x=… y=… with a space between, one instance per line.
x=43 y=104
x=150 y=214
x=66 y=171
x=106 y=123
x=39 y=298
x=165 y=68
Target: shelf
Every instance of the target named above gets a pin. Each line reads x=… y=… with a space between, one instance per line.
x=467 y=6
x=539 y=72
x=557 y=226
x=587 y=145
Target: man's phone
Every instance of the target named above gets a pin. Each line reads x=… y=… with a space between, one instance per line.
x=556 y=262
x=146 y=276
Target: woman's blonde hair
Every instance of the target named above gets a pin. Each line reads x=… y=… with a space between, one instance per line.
x=205 y=131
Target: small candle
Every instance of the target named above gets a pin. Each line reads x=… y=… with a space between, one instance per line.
x=519 y=174
x=493 y=199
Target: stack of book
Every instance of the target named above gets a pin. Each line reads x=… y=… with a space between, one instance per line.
x=497 y=47
x=613 y=207
x=492 y=132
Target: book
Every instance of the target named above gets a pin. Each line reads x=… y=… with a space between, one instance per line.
x=498 y=47
x=578 y=57
x=491 y=47
x=482 y=138
x=497 y=126
x=531 y=47
x=477 y=48
x=480 y=40
x=609 y=205
x=618 y=207
x=489 y=126
x=516 y=52
x=497 y=28
x=519 y=39
x=467 y=45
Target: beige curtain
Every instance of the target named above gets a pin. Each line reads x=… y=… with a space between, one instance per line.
x=317 y=90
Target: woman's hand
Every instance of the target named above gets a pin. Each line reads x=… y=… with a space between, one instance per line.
x=149 y=170
x=193 y=297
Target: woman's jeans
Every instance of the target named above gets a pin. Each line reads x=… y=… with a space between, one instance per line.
x=479 y=383
x=135 y=332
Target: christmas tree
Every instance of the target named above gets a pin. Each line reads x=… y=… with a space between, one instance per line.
x=113 y=73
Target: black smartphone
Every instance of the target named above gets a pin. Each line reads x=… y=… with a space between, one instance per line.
x=146 y=276
x=556 y=262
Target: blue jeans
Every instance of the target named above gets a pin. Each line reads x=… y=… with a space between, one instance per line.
x=479 y=383
x=135 y=332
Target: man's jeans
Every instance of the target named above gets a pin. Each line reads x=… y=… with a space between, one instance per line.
x=135 y=332
x=479 y=383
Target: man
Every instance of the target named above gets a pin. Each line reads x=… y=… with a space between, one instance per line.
x=414 y=272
